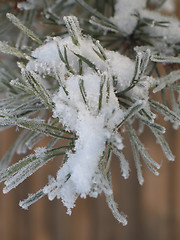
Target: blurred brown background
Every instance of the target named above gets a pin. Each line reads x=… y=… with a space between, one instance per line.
x=153 y=210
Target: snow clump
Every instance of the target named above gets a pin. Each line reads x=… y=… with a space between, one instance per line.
x=86 y=104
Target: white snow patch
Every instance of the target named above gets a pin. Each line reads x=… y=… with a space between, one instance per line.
x=124 y=14
x=87 y=105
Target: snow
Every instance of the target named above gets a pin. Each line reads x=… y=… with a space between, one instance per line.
x=47 y=57
x=62 y=188
x=89 y=148
x=128 y=13
x=169 y=34
x=92 y=126
x=124 y=15
x=48 y=60
x=86 y=104
x=122 y=68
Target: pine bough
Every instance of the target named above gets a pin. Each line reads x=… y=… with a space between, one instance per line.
x=80 y=95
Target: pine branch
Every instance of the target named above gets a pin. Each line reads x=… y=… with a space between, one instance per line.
x=73 y=88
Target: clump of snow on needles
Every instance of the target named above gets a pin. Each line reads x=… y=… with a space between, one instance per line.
x=165 y=28
x=92 y=126
x=47 y=59
x=168 y=33
x=87 y=105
